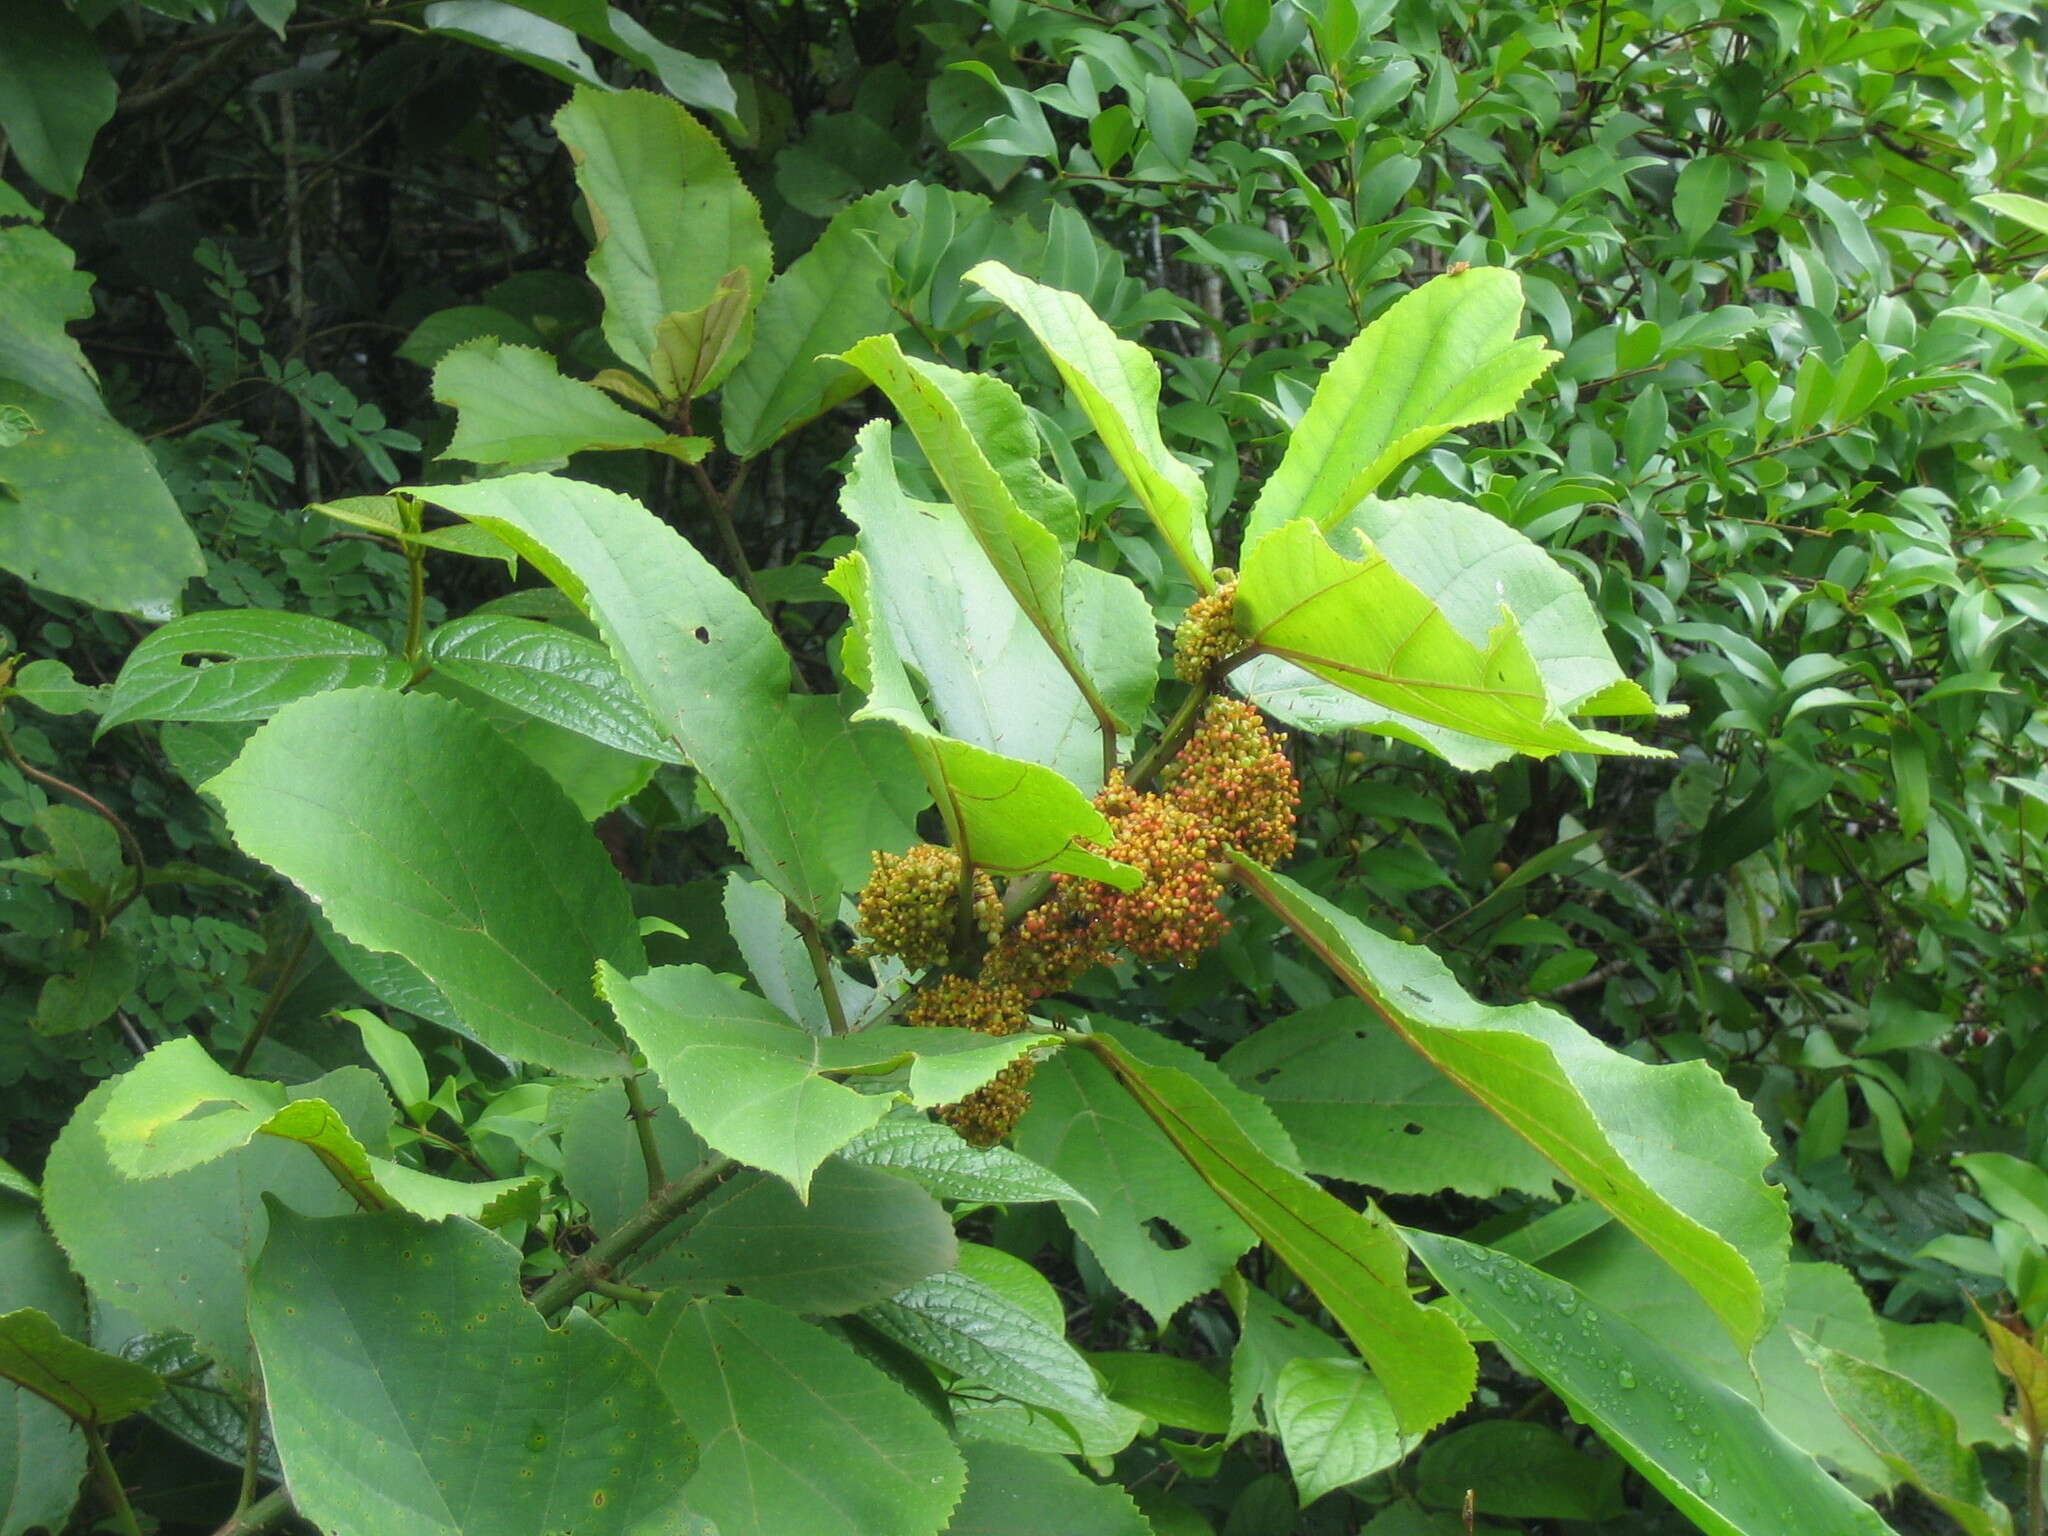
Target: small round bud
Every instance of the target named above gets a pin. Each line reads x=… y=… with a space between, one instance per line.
x=911 y=904
x=1207 y=635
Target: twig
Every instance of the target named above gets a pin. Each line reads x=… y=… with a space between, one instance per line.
x=260 y=1516
x=601 y=1262
x=643 y=1128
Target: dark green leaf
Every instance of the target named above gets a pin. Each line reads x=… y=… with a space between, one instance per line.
x=412 y=1388
x=420 y=831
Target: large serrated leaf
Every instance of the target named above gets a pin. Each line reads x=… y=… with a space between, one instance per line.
x=513 y=406
x=1443 y=356
x=413 y=1390
x=421 y=831
x=1706 y=1449
x=977 y=1333
x=765 y=1092
x=177 y=1109
x=243 y=664
x=1672 y=1151
x=672 y=215
x=799 y=1432
x=175 y=1252
x=550 y=673
x=803 y=805
x=80 y=470
x=821 y=304
x=1001 y=814
x=935 y=1157
x=981 y=446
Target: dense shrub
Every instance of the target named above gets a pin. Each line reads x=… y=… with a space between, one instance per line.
x=1244 y=767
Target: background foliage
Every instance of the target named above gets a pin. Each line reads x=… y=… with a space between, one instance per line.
x=1789 y=449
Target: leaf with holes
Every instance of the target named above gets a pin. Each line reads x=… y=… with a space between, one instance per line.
x=243 y=665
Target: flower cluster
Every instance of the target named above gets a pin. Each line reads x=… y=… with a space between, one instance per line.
x=1234 y=777
x=986 y=1115
x=1230 y=786
x=1207 y=635
x=910 y=906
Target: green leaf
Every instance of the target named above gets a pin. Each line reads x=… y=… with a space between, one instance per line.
x=1170 y=119
x=826 y=300
x=787 y=773
x=762 y=1091
x=693 y=351
x=1335 y=1423
x=55 y=92
x=859 y=1236
x=175 y=1252
x=1913 y=1434
x=1354 y=1263
x=42 y=1455
x=2023 y=333
x=152 y=1127
x=1363 y=626
x=1672 y=1151
x=1361 y=1105
x=243 y=664
x=2030 y=211
x=1615 y=1271
x=1002 y=814
x=984 y=451
x=1526 y=1471
x=80 y=469
x=1953 y=1363
x=994 y=1344
x=393 y=1053
x=934 y=1157
x=1704 y=1448
x=990 y=678
x=422 y=832
x=1089 y=1131
x=1441 y=357
x=200 y=1405
x=799 y=1432
x=550 y=673
x=671 y=214
x=601 y=1163
x=1015 y=1492
x=86 y=1385
x=1176 y=1392
x=513 y=406
x=412 y=1389
x=50 y=687
x=1116 y=384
